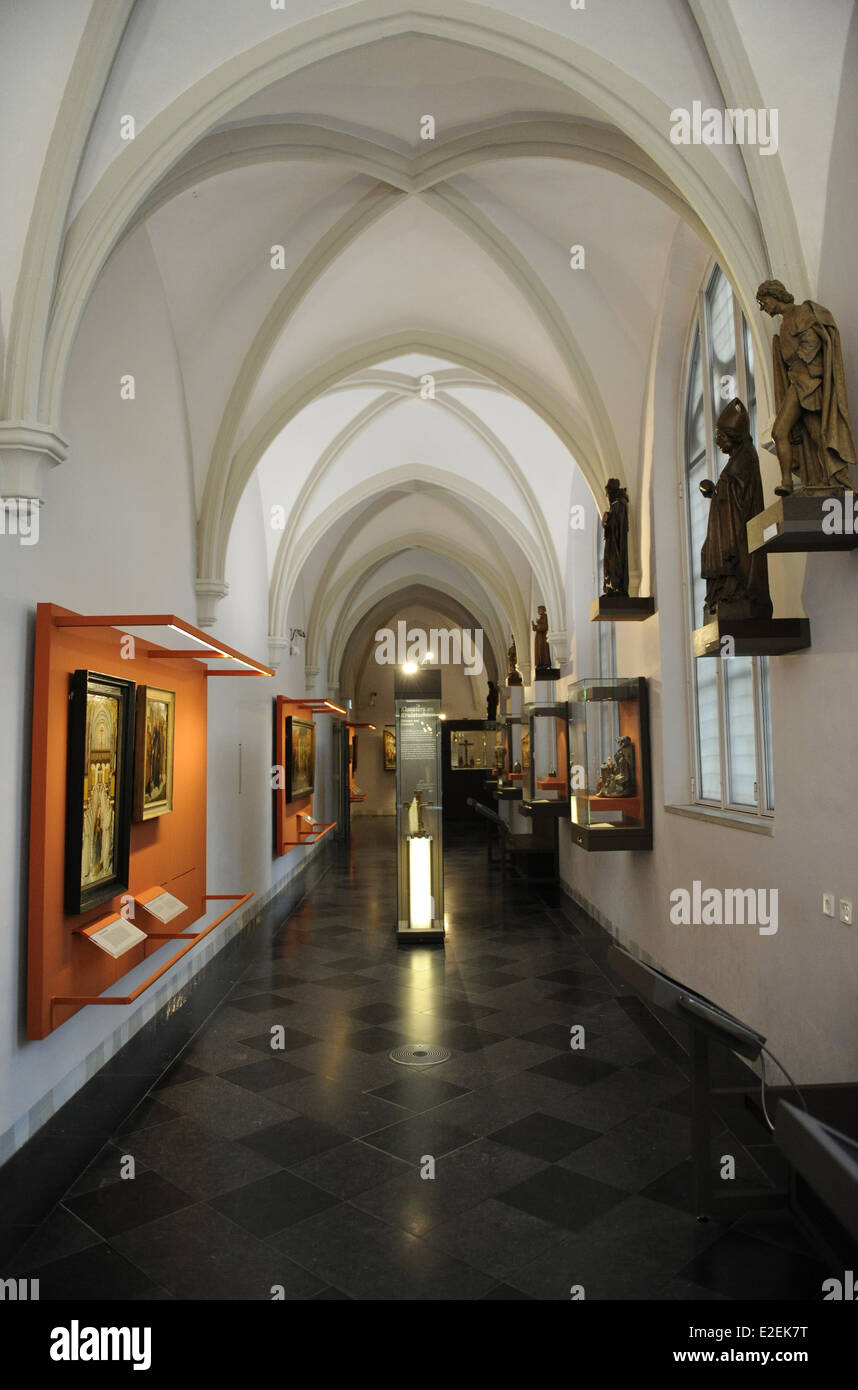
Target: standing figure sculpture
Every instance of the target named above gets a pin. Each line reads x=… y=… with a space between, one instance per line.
x=615 y=523
x=811 y=430
x=541 y=649
x=492 y=701
x=736 y=579
x=513 y=676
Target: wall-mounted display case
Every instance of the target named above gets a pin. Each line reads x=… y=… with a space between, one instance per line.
x=609 y=764
x=547 y=774
x=419 y=839
x=477 y=746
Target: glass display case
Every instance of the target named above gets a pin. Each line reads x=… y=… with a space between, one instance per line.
x=609 y=764
x=511 y=778
x=547 y=772
x=419 y=840
x=478 y=747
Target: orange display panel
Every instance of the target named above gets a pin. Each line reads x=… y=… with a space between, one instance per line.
x=168 y=851
x=293 y=820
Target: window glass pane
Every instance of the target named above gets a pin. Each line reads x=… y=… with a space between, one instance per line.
x=722 y=345
x=741 y=731
x=698 y=520
x=708 y=729
x=729 y=703
x=695 y=425
x=752 y=386
x=766 y=729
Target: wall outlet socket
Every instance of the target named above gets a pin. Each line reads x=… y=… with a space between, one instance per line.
x=828 y=904
x=846 y=911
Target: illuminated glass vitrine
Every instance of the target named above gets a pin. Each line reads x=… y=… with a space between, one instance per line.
x=547 y=778
x=609 y=764
x=419 y=841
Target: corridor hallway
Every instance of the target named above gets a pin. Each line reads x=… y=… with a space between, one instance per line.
x=300 y=1169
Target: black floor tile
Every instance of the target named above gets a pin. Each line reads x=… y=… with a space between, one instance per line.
x=290 y=1040
x=564 y=1198
x=543 y=1136
x=349 y=1169
x=268 y=1205
x=123 y=1205
x=291 y=1140
x=420 y=1134
x=260 y=1076
x=574 y=1068
x=259 y=1003
x=100 y=1274
x=419 y=1093
x=200 y=1254
x=743 y=1268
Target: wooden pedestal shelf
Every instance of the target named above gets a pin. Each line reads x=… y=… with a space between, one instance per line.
x=630 y=805
x=551 y=784
x=753 y=636
x=311 y=837
x=796 y=524
x=619 y=608
x=79 y=1001
x=66 y=971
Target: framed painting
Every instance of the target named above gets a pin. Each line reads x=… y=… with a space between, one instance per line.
x=153 y=752
x=525 y=749
x=99 y=786
x=388 y=741
x=300 y=757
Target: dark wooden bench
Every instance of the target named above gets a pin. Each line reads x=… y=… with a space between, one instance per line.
x=514 y=851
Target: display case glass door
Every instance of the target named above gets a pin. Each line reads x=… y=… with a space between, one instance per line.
x=419 y=839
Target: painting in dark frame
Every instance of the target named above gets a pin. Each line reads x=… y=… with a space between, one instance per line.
x=388 y=736
x=153 y=752
x=99 y=787
x=300 y=757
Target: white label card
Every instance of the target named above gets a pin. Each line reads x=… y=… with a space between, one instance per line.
x=165 y=907
x=117 y=937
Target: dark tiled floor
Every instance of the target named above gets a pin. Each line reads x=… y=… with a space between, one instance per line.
x=284 y=1150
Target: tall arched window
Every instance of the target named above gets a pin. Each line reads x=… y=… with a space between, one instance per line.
x=732 y=759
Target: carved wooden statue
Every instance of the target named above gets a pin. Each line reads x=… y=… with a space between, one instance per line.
x=811 y=430
x=737 y=582
x=615 y=522
x=541 y=649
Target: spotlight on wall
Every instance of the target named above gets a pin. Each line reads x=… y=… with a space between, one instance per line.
x=409 y=667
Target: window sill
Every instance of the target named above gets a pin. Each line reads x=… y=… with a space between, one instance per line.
x=733 y=819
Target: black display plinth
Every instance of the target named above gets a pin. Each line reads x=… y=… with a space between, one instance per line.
x=619 y=608
x=547 y=673
x=752 y=636
x=545 y=808
x=806 y=521
x=514 y=679
x=508 y=792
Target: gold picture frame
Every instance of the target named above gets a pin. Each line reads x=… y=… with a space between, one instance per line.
x=155 y=730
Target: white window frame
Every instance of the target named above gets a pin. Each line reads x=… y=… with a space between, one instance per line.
x=763 y=776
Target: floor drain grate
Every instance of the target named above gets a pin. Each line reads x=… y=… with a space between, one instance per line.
x=419 y=1055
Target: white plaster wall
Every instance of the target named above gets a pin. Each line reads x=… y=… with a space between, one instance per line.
x=31 y=90
x=117 y=534
x=799 y=986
